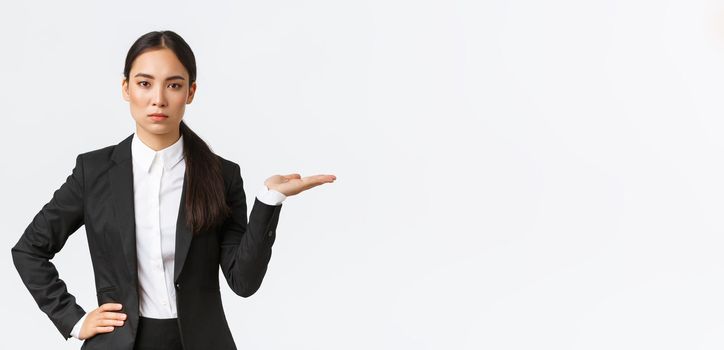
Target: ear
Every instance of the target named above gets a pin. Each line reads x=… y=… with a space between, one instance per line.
x=124 y=90
x=192 y=92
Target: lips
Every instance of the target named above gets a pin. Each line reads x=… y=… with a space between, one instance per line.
x=158 y=117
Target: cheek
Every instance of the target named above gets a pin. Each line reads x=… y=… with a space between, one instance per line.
x=179 y=96
x=137 y=97
x=138 y=104
x=177 y=102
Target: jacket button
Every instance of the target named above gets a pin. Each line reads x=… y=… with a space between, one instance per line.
x=270 y=233
x=178 y=285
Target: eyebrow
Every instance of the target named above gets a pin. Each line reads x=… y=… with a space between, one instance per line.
x=151 y=76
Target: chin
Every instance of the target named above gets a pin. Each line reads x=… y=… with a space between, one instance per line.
x=158 y=129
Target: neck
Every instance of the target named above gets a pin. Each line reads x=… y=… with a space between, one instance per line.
x=158 y=142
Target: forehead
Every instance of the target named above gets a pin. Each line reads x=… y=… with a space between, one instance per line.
x=159 y=63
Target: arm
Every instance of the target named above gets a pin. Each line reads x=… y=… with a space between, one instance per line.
x=246 y=246
x=42 y=239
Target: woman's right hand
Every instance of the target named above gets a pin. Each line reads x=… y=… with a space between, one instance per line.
x=103 y=319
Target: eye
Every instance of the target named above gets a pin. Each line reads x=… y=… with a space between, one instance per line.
x=177 y=85
x=142 y=82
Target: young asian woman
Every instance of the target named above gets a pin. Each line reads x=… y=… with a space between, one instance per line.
x=162 y=213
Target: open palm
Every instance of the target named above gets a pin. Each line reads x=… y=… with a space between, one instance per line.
x=292 y=184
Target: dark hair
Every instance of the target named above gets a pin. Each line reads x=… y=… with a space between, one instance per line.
x=205 y=204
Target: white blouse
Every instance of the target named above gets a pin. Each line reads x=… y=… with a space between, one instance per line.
x=157 y=185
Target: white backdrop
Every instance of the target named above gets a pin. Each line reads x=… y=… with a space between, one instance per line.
x=511 y=174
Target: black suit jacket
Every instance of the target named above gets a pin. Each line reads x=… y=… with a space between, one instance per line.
x=99 y=195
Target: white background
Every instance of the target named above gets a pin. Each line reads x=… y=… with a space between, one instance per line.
x=510 y=174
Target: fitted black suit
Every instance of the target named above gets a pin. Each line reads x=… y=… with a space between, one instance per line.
x=99 y=194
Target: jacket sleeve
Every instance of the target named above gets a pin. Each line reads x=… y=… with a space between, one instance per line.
x=43 y=238
x=246 y=247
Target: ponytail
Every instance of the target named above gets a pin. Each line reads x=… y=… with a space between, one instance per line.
x=205 y=204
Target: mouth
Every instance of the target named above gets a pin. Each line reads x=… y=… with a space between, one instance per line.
x=158 y=116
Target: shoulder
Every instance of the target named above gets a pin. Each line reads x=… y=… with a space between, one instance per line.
x=98 y=161
x=225 y=163
x=231 y=173
x=106 y=155
x=229 y=169
x=99 y=155
x=95 y=163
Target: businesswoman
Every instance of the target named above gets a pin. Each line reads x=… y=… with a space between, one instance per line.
x=162 y=213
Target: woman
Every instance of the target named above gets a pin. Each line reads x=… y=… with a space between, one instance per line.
x=162 y=212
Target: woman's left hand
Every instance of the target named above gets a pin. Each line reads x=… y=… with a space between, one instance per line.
x=292 y=184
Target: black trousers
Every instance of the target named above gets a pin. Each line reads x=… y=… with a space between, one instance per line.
x=158 y=334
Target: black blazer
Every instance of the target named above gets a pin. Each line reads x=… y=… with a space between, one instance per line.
x=99 y=195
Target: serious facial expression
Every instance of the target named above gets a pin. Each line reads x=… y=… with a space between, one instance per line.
x=158 y=91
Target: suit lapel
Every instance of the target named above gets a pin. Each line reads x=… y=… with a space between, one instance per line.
x=121 y=181
x=183 y=236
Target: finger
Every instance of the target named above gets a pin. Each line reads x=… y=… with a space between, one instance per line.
x=319 y=179
x=110 y=306
x=311 y=184
x=108 y=322
x=112 y=315
x=325 y=177
x=293 y=176
x=104 y=329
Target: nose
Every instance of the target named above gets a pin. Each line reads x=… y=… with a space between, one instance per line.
x=159 y=98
